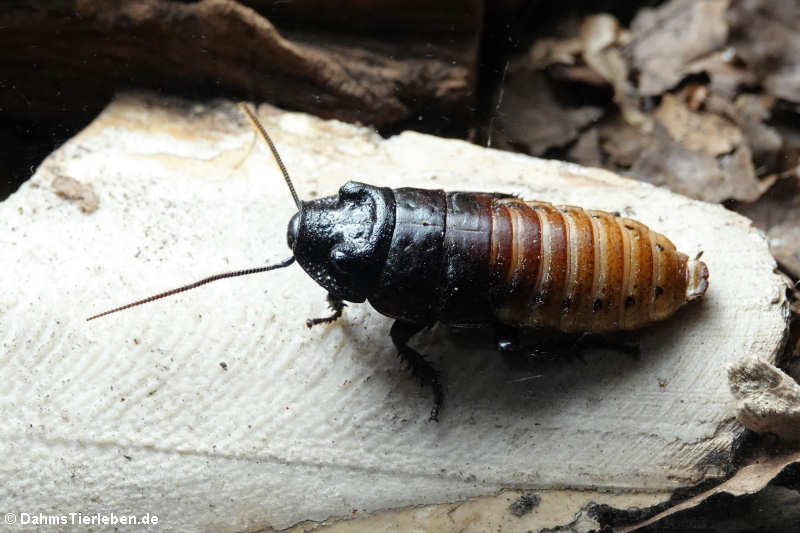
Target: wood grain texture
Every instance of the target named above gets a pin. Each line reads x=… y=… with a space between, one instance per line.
x=138 y=410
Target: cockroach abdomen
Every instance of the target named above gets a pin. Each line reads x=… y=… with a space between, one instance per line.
x=615 y=273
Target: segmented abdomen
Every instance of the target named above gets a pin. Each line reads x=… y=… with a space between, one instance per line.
x=577 y=270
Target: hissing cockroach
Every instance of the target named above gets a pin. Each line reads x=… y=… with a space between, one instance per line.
x=471 y=259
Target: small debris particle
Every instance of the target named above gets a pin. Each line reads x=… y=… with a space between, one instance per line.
x=72 y=189
x=135 y=340
x=524 y=504
x=128 y=457
x=223 y=365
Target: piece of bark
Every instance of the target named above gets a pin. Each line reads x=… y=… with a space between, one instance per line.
x=768 y=399
x=369 y=17
x=306 y=425
x=85 y=51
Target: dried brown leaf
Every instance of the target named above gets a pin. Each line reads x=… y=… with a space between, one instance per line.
x=579 y=56
x=697 y=131
x=696 y=153
x=659 y=159
x=784 y=243
x=668 y=39
x=552 y=51
x=599 y=32
x=624 y=143
x=586 y=149
x=530 y=115
x=766 y=36
x=725 y=72
x=665 y=162
x=777 y=213
x=750 y=112
x=748 y=480
x=610 y=64
x=593 y=57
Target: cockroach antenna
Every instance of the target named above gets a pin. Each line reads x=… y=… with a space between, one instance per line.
x=264 y=135
x=285 y=263
x=246 y=272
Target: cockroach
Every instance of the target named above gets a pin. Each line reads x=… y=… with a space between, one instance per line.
x=471 y=259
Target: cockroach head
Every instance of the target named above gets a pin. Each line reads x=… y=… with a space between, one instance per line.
x=342 y=241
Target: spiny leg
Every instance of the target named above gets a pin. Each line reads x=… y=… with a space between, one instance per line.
x=336 y=305
x=421 y=369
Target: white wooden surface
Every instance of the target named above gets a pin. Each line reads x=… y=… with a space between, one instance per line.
x=134 y=413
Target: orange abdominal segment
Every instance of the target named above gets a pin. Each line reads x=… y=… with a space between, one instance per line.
x=584 y=271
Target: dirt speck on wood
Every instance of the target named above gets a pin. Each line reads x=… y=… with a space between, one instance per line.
x=72 y=189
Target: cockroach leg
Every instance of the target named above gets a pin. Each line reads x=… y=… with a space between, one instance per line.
x=506 y=338
x=549 y=349
x=528 y=356
x=508 y=342
x=336 y=305
x=601 y=342
x=421 y=369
